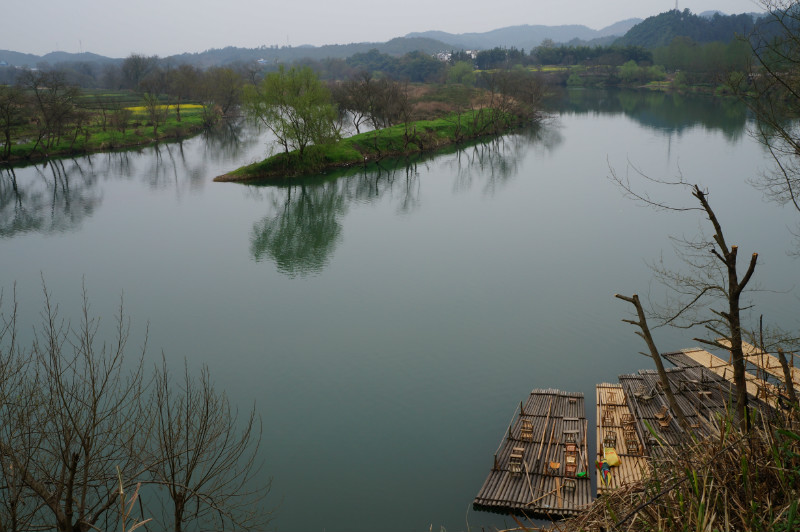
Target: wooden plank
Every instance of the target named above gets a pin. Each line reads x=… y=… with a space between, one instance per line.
x=766 y=362
x=755 y=386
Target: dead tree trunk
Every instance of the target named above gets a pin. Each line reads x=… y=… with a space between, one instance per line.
x=644 y=332
x=732 y=317
x=787 y=376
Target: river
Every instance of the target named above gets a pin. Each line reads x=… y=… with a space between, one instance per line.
x=387 y=321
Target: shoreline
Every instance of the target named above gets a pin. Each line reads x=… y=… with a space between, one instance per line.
x=39 y=157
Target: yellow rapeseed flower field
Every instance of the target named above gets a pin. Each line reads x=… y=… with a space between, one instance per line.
x=142 y=109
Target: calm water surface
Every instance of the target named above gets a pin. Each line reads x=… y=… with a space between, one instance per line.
x=386 y=322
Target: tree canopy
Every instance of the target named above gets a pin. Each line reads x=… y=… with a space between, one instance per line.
x=295 y=106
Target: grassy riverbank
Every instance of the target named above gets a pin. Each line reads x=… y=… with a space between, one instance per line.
x=400 y=140
x=108 y=131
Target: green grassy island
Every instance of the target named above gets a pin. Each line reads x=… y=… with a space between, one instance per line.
x=396 y=141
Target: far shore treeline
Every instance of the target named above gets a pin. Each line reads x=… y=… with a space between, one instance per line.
x=96 y=104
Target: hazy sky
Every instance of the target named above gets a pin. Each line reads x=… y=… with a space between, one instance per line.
x=117 y=28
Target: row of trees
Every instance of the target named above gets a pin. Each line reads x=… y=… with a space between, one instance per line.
x=86 y=429
x=218 y=85
x=377 y=102
x=45 y=100
x=300 y=111
x=589 y=55
x=708 y=61
x=44 y=108
x=413 y=66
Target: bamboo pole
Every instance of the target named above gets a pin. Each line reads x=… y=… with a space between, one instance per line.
x=544 y=429
x=547 y=452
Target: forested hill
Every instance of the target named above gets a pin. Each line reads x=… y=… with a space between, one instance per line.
x=661 y=29
x=285 y=54
x=525 y=36
x=232 y=55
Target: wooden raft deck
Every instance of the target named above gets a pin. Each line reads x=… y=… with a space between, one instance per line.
x=768 y=363
x=756 y=387
x=540 y=431
x=613 y=418
x=700 y=394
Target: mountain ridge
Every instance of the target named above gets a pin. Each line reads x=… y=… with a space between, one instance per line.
x=526 y=36
x=521 y=36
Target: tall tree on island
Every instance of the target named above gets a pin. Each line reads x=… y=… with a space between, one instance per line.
x=295 y=106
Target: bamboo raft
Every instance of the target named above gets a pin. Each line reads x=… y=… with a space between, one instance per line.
x=530 y=475
x=616 y=427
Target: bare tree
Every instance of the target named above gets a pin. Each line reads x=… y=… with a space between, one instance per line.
x=710 y=293
x=644 y=333
x=354 y=98
x=771 y=89
x=78 y=432
x=182 y=84
x=222 y=87
x=121 y=118
x=203 y=458
x=18 y=403
x=134 y=69
x=81 y=420
x=14 y=110
x=156 y=111
x=516 y=93
x=53 y=101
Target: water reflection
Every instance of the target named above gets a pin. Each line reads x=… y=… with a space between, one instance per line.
x=300 y=238
x=495 y=162
x=665 y=111
x=303 y=226
x=169 y=165
x=58 y=198
x=58 y=195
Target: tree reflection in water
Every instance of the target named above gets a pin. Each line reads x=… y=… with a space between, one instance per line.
x=58 y=195
x=495 y=162
x=305 y=231
x=304 y=225
x=59 y=199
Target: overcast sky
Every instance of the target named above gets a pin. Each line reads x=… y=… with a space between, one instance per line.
x=118 y=28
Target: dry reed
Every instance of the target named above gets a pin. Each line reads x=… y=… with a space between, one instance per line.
x=734 y=481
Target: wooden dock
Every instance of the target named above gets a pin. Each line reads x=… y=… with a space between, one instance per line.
x=530 y=474
x=616 y=427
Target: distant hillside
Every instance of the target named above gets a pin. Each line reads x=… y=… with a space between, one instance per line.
x=18 y=58
x=661 y=29
x=225 y=56
x=231 y=55
x=53 y=58
x=85 y=57
x=525 y=36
